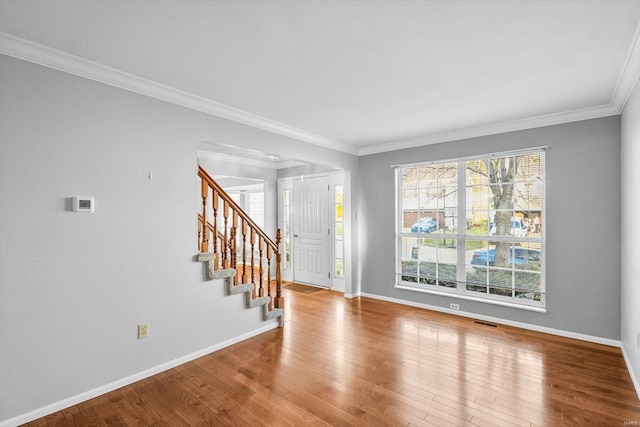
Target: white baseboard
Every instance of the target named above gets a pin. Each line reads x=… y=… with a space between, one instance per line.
x=82 y=397
x=528 y=326
x=632 y=373
x=352 y=296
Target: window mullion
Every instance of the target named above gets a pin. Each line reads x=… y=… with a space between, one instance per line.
x=399 y=220
x=462 y=228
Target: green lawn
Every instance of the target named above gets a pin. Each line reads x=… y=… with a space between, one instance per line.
x=477 y=230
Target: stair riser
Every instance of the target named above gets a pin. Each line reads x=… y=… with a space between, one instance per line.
x=244 y=288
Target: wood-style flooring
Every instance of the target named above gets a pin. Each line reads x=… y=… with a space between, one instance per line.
x=363 y=362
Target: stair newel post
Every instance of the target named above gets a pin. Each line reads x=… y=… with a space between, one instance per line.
x=214 y=204
x=261 y=270
x=244 y=250
x=269 y=276
x=204 y=247
x=233 y=246
x=253 y=241
x=225 y=214
x=279 y=301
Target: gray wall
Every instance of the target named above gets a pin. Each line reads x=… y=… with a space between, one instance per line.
x=630 y=187
x=73 y=287
x=582 y=224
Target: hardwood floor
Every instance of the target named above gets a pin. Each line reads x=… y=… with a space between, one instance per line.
x=363 y=362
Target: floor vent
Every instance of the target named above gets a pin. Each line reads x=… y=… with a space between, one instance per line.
x=480 y=322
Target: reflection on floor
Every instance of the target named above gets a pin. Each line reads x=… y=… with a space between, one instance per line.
x=364 y=362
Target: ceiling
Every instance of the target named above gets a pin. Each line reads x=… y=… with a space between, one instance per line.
x=357 y=76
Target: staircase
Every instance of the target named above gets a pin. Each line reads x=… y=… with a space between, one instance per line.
x=229 y=233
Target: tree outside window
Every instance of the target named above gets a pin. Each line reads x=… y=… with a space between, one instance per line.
x=474 y=226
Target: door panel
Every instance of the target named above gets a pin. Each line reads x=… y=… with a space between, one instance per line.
x=311 y=231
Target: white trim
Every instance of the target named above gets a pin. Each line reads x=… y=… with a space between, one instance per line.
x=496 y=128
x=82 y=397
x=204 y=154
x=43 y=55
x=477 y=157
x=49 y=57
x=316 y=175
x=452 y=294
x=628 y=75
x=349 y=225
x=521 y=325
x=632 y=373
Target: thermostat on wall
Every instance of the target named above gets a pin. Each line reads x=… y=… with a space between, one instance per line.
x=83 y=204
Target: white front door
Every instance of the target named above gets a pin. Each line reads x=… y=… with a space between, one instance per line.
x=311 y=234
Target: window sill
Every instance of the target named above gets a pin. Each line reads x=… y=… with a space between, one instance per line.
x=537 y=309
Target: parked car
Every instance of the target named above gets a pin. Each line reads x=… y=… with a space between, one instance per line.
x=516 y=229
x=425 y=225
x=522 y=256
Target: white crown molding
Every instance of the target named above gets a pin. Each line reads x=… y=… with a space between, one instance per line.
x=291 y=164
x=43 y=55
x=493 y=129
x=221 y=157
x=629 y=74
x=53 y=58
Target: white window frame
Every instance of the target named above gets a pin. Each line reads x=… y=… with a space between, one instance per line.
x=460 y=291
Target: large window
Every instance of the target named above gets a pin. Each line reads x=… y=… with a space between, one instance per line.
x=473 y=228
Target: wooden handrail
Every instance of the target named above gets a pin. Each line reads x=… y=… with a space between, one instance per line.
x=223 y=194
x=236 y=227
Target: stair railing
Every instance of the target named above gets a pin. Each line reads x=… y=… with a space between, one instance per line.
x=224 y=241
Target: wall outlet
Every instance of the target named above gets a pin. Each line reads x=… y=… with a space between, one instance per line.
x=454 y=306
x=143 y=331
